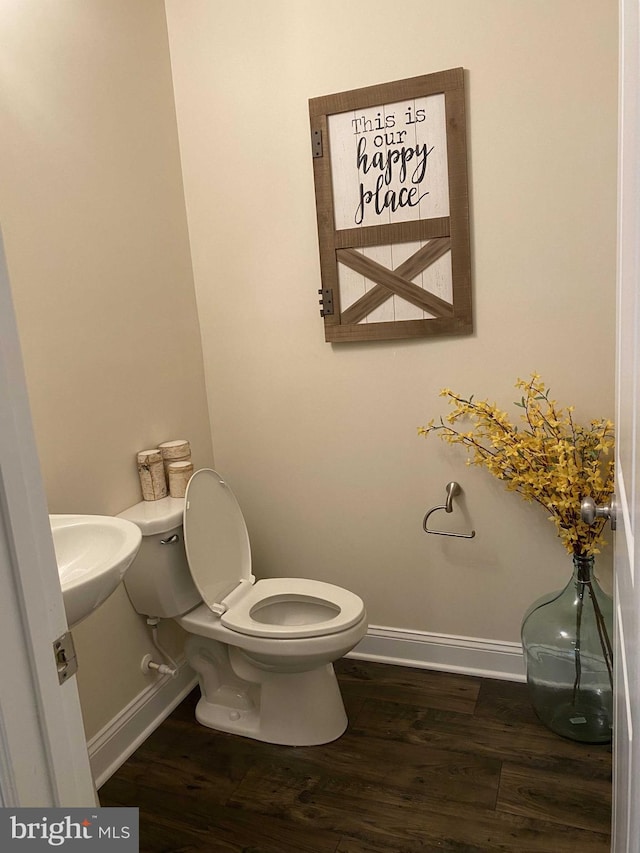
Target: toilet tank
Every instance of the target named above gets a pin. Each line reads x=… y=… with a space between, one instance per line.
x=158 y=582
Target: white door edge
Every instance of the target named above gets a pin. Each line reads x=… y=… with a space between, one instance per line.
x=43 y=753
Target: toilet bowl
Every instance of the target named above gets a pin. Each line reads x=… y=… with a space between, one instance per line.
x=263 y=649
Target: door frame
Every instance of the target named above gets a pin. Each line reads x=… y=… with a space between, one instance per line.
x=626 y=748
x=43 y=752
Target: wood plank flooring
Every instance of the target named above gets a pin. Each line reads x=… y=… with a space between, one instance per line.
x=431 y=761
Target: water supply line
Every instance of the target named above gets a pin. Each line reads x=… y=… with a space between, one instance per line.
x=170 y=668
x=148 y=664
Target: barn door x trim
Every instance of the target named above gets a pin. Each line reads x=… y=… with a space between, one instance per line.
x=390 y=172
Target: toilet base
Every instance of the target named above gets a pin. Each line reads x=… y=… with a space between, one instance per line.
x=288 y=708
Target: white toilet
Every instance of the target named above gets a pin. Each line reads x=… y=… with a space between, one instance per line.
x=263 y=650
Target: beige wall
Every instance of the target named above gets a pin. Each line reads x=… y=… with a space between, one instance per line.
x=319 y=441
x=92 y=209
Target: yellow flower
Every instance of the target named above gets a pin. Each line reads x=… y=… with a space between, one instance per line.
x=549 y=459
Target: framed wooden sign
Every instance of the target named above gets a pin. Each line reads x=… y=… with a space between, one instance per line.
x=390 y=172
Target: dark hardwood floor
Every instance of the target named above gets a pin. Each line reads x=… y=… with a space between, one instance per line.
x=430 y=761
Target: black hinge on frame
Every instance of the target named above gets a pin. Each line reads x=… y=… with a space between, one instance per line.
x=316 y=143
x=326 y=302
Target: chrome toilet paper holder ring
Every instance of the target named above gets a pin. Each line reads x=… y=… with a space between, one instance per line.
x=453 y=489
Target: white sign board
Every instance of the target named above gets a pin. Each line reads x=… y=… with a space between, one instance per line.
x=389 y=163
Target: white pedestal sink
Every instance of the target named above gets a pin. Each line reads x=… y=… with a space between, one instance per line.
x=93 y=552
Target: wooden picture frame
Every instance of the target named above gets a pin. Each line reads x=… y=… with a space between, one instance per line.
x=392 y=204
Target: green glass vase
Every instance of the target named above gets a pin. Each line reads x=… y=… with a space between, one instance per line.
x=566 y=638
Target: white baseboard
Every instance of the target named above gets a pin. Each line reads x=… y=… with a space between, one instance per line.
x=424 y=650
x=111 y=747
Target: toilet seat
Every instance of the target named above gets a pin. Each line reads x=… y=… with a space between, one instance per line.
x=219 y=556
x=302 y=608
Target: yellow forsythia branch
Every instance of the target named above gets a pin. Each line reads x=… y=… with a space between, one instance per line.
x=548 y=458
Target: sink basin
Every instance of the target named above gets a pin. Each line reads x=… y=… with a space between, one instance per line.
x=93 y=552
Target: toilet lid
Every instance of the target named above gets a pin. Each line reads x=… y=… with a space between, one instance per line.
x=215 y=537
